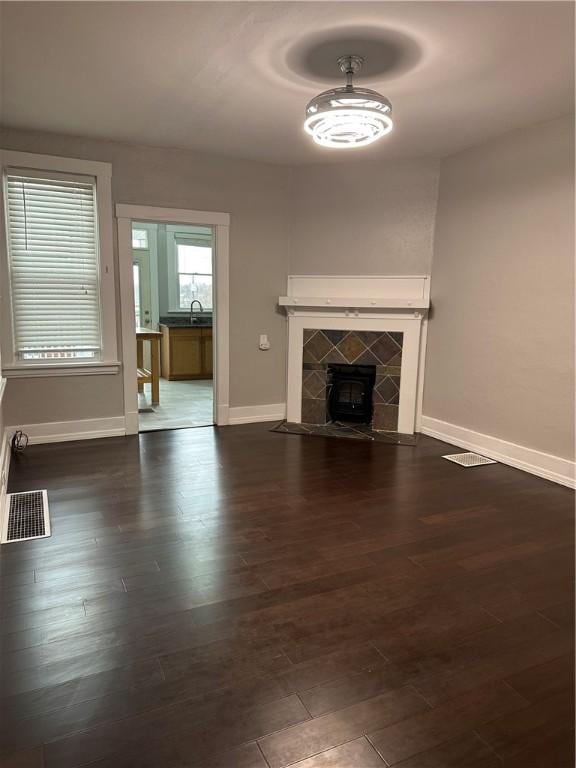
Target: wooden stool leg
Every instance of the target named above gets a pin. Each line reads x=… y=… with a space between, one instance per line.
x=155 y=359
x=140 y=359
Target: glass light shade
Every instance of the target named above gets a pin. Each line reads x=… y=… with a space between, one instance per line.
x=348 y=117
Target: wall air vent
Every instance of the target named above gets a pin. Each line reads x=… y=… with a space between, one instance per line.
x=469 y=459
x=27 y=517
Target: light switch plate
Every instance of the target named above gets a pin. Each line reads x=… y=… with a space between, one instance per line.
x=264 y=344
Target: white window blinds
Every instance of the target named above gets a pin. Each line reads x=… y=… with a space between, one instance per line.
x=52 y=235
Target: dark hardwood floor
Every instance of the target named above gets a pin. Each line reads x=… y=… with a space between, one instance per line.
x=235 y=598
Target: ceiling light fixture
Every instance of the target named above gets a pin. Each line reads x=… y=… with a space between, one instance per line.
x=348 y=117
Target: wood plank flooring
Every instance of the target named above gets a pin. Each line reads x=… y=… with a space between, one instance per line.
x=234 y=598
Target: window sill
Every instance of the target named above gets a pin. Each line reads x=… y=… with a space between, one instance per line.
x=50 y=370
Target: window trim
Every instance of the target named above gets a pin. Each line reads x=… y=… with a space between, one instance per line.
x=102 y=172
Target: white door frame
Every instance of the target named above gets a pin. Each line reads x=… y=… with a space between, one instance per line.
x=152 y=249
x=220 y=222
x=141 y=259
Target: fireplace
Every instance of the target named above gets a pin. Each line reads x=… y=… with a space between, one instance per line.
x=343 y=320
x=349 y=392
x=367 y=365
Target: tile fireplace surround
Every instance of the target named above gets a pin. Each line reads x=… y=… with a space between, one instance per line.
x=323 y=348
x=340 y=320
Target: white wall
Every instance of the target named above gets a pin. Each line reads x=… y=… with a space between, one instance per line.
x=359 y=217
x=500 y=346
x=257 y=195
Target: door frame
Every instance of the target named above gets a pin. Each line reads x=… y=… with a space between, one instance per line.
x=144 y=285
x=152 y=250
x=125 y=215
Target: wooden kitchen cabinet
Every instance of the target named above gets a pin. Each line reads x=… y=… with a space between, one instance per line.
x=186 y=352
x=207 y=352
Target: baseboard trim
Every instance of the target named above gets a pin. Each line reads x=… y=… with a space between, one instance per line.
x=249 y=414
x=131 y=422
x=4 y=473
x=538 y=463
x=222 y=415
x=63 y=431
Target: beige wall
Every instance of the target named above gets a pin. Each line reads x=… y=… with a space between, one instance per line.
x=359 y=217
x=500 y=346
x=257 y=195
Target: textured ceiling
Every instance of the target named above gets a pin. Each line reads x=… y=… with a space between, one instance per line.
x=234 y=77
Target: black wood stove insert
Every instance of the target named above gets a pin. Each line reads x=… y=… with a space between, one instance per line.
x=350 y=392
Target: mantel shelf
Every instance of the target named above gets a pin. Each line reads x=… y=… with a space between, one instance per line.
x=336 y=302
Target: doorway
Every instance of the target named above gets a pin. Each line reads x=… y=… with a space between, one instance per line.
x=174 y=286
x=174 y=312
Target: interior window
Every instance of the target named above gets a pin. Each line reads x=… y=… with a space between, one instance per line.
x=194 y=265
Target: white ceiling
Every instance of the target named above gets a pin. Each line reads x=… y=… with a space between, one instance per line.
x=234 y=77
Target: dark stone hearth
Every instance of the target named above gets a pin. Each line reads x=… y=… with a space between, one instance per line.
x=353 y=431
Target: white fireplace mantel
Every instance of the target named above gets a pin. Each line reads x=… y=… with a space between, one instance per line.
x=369 y=292
x=367 y=303
x=336 y=302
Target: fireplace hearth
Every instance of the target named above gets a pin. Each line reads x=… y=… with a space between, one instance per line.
x=349 y=392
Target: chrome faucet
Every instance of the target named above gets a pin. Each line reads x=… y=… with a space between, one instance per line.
x=192 y=310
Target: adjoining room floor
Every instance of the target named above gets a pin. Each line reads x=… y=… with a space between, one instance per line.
x=182 y=404
x=236 y=598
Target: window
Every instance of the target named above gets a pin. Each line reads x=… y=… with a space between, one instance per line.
x=194 y=274
x=189 y=251
x=53 y=254
x=139 y=238
x=58 y=316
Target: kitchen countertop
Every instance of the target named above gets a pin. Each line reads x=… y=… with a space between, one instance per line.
x=184 y=322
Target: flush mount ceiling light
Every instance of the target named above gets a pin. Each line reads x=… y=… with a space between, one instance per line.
x=348 y=117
